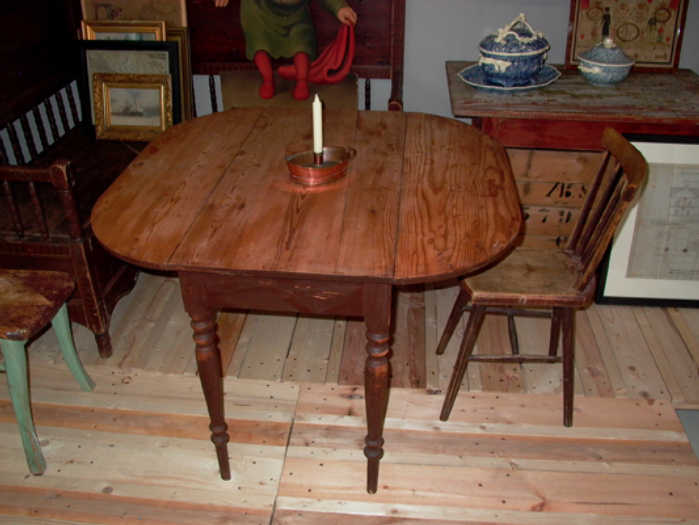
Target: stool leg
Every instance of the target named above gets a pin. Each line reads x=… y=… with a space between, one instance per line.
x=61 y=325
x=16 y=367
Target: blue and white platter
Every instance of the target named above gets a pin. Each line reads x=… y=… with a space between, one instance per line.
x=474 y=76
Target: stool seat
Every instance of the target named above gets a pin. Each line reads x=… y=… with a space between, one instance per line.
x=29 y=300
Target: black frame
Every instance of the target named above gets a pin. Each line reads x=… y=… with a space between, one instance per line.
x=603 y=270
x=85 y=83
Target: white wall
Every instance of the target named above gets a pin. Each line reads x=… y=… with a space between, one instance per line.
x=441 y=30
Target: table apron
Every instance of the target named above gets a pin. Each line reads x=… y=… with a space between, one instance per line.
x=570 y=134
x=273 y=294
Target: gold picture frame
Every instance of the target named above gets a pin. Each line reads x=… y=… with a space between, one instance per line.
x=131 y=30
x=173 y=12
x=132 y=106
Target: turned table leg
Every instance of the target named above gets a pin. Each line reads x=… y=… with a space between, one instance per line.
x=377 y=318
x=208 y=365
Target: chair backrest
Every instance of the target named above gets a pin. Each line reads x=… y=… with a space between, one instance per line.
x=26 y=203
x=620 y=173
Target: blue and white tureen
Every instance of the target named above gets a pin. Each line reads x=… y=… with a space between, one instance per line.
x=605 y=64
x=514 y=54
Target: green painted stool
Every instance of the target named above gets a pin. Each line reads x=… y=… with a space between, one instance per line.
x=29 y=300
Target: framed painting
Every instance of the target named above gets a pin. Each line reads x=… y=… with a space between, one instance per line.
x=650 y=31
x=128 y=58
x=173 y=12
x=654 y=258
x=134 y=30
x=181 y=36
x=132 y=107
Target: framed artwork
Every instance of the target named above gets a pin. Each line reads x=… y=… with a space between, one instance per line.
x=654 y=258
x=132 y=107
x=135 y=30
x=128 y=58
x=649 y=31
x=173 y=12
x=181 y=36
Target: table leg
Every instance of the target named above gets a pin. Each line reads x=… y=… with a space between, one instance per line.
x=377 y=318
x=209 y=367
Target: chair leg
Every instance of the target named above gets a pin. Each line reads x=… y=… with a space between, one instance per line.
x=452 y=321
x=568 y=321
x=104 y=344
x=17 y=379
x=61 y=325
x=475 y=321
x=512 y=332
x=556 y=317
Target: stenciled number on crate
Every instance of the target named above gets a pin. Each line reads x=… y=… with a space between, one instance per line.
x=568 y=190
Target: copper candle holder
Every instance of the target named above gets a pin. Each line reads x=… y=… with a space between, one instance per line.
x=305 y=168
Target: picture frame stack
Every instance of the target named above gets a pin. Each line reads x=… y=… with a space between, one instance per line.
x=136 y=73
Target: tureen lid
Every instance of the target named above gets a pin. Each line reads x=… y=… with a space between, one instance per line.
x=516 y=37
x=607 y=52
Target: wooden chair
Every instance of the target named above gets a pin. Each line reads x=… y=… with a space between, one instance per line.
x=556 y=280
x=46 y=226
x=30 y=300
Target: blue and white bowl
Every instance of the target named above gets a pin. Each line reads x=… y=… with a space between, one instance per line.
x=514 y=54
x=605 y=64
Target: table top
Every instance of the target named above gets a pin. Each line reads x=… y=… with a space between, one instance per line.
x=424 y=198
x=651 y=98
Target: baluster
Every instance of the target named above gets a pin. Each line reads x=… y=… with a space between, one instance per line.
x=4 y=159
x=39 y=212
x=16 y=147
x=62 y=111
x=40 y=128
x=52 y=119
x=28 y=136
x=367 y=94
x=14 y=211
x=73 y=106
x=212 y=94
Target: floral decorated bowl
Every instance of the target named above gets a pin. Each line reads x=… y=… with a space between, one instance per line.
x=514 y=54
x=605 y=64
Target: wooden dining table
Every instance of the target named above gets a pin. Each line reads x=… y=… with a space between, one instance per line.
x=426 y=198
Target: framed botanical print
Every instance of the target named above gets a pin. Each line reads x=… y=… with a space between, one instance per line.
x=173 y=12
x=654 y=258
x=649 y=31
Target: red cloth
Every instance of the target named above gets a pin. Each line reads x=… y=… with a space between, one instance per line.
x=333 y=65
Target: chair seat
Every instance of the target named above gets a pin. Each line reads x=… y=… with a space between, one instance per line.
x=530 y=277
x=29 y=300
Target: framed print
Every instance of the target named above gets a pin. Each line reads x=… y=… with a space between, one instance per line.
x=181 y=36
x=173 y=12
x=125 y=57
x=132 y=107
x=648 y=31
x=135 y=30
x=654 y=258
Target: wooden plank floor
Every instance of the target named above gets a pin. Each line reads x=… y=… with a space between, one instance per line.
x=634 y=352
x=136 y=450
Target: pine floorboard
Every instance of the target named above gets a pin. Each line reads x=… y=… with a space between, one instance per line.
x=136 y=450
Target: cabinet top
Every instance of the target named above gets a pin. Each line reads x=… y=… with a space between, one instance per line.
x=662 y=98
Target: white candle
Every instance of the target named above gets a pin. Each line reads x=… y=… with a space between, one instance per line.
x=317 y=126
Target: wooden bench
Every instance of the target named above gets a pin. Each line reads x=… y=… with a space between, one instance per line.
x=45 y=216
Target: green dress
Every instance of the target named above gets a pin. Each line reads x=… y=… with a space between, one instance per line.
x=281 y=27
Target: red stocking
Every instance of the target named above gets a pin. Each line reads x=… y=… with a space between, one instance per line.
x=264 y=65
x=302 y=63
